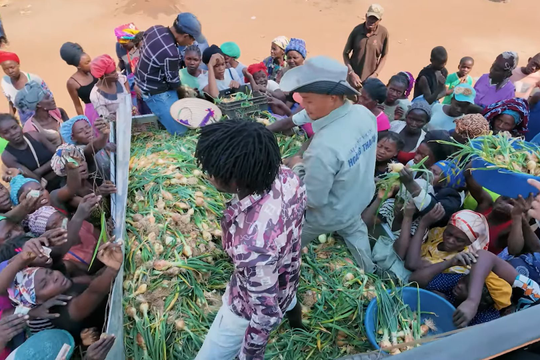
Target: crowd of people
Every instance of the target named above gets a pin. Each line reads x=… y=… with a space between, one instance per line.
x=445 y=231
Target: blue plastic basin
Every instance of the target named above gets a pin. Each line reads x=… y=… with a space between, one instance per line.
x=502 y=181
x=429 y=302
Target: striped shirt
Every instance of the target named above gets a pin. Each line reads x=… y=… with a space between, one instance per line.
x=159 y=64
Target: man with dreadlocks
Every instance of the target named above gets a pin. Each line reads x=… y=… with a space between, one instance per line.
x=262 y=227
x=340 y=161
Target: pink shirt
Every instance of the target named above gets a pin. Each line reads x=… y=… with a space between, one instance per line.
x=383 y=123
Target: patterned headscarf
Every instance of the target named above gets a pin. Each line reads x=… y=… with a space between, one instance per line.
x=454 y=176
x=511 y=60
x=411 y=82
x=281 y=41
x=23 y=291
x=125 y=33
x=518 y=108
x=66 y=129
x=29 y=96
x=37 y=221
x=475 y=226
x=297 y=45
x=471 y=126
x=15 y=186
x=58 y=164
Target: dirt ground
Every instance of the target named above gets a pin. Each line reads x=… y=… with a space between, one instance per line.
x=478 y=28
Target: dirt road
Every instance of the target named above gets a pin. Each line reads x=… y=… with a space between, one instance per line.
x=479 y=28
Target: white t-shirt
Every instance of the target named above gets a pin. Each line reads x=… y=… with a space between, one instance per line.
x=398 y=125
x=9 y=90
x=272 y=85
x=239 y=70
x=230 y=75
x=439 y=119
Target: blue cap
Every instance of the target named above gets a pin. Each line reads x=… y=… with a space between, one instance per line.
x=188 y=23
x=465 y=93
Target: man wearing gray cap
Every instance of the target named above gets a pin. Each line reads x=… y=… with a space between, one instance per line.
x=157 y=74
x=338 y=166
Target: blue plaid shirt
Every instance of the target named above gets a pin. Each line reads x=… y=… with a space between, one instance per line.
x=159 y=64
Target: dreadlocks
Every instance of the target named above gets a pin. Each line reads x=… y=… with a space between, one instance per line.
x=239 y=151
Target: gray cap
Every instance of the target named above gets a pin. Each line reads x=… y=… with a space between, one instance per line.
x=320 y=75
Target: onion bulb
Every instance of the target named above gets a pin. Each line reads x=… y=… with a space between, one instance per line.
x=183 y=206
x=141 y=342
x=395 y=167
x=144 y=308
x=199 y=201
x=187 y=251
x=137 y=217
x=206 y=236
x=217 y=233
x=140 y=290
x=199 y=194
x=197 y=173
x=322 y=238
x=180 y=324
x=349 y=277
x=131 y=312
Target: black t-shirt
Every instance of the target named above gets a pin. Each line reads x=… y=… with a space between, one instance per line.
x=95 y=319
x=429 y=73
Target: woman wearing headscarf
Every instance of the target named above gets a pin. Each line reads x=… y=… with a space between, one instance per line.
x=510 y=115
x=129 y=42
x=78 y=131
x=411 y=130
x=218 y=77
x=29 y=287
x=47 y=117
x=296 y=53
x=276 y=61
x=128 y=50
x=496 y=85
x=80 y=84
x=14 y=81
x=20 y=186
x=231 y=53
x=107 y=93
x=448 y=174
x=410 y=87
x=29 y=153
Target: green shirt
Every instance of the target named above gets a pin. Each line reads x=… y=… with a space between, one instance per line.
x=189 y=80
x=451 y=82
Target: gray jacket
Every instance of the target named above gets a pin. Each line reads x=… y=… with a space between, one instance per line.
x=339 y=165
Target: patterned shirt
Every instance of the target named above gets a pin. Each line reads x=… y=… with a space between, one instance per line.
x=159 y=64
x=261 y=234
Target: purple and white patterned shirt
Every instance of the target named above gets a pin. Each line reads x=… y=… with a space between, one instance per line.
x=159 y=64
x=261 y=234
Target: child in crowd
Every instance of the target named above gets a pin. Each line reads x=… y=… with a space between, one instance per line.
x=395 y=106
x=372 y=96
x=460 y=77
x=388 y=147
x=431 y=80
x=189 y=76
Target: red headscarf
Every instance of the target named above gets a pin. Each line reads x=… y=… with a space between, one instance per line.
x=254 y=68
x=6 y=56
x=101 y=65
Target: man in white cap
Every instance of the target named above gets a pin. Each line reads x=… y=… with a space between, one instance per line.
x=338 y=166
x=368 y=43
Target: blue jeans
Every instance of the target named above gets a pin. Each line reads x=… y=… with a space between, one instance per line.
x=160 y=104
